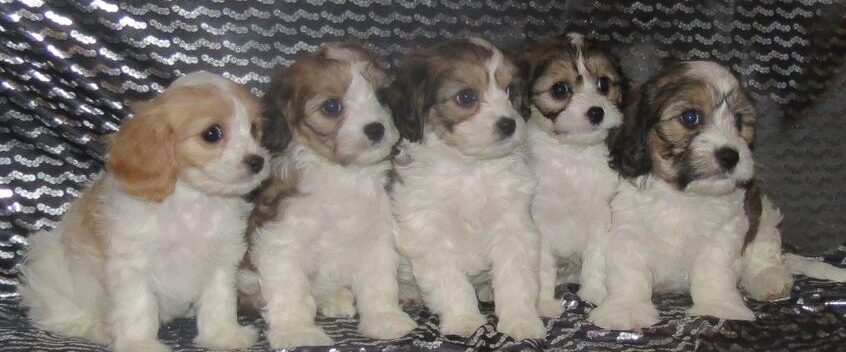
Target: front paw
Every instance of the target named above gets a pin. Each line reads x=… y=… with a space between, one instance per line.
x=462 y=325
x=291 y=338
x=723 y=310
x=594 y=294
x=770 y=284
x=386 y=325
x=228 y=338
x=522 y=328
x=341 y=305
x=624 y=315
x=139 y=346
x=550 y=308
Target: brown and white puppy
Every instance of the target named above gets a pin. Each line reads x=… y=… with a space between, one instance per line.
x=160 y=233
x=575 y=88
x=463 y=190
x=680 y=219
x=323 y=225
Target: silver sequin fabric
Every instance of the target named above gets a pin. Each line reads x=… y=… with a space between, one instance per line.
x=71 y=70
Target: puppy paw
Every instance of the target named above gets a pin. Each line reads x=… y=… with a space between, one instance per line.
x=386 y=325
x=723 y=310
x=340 y=305
x=593 y=293
x=522 y=328
x=463 y=325
x=770 y=284
x=140 y=346
x=228 y=338
x=291 y=338
x=550 y=308
x=624 y=315
x=485 y=293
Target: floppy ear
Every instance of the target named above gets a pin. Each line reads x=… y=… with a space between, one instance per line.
x=141 y=155
x=520 y=89
x=408 y=100
x=628 y=146
x=275 y=107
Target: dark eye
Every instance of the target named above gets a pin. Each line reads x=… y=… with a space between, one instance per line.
x=738 y=121
x=560 y=90
x=332 y=107
x=466 y=98
x=213 y=134
x=603 y=85
x=509 y=90
x=691 y=118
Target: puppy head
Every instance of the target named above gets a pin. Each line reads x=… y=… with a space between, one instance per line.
x=574 y=88
x=691 y=124
x=460 y=90
x=328 y=102
x=202 y=130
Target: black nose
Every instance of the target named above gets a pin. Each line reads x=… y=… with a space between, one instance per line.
x=374 y=131
x=727 y=157
x=595 y=115
x=506 y=126
x=255 y=162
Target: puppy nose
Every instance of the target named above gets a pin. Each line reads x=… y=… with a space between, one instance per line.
x=727 y=157
x=255 y=162
x=506 y=126
x=374 y=131
x=595 y=115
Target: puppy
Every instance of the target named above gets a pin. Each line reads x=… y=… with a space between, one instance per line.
x=463 y=187
x=324 y=226
x=160 y=233
x=688 y=208
x=574 y=90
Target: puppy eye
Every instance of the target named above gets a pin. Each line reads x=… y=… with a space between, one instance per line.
x=509 y=90
x=738 y=121
x=560 y=90
x=332 y=107
x=691 y=118
x=253 y=130
x=213 y=134
x=466 y=98
x=603 y=85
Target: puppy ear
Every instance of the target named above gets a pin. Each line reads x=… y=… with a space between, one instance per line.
x=628 y=145
x=275 y=113
x=141 y=154
x=407 y=98
x=520 y=90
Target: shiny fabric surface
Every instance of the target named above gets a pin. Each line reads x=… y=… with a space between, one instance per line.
x=70 y=70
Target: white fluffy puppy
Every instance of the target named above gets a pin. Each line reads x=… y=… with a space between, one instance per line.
x=160 y=233
x=689 y=207
x=574 y=90
x=323 y=222
x=463 y=187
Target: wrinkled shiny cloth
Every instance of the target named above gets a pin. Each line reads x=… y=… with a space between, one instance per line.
x=70 y=70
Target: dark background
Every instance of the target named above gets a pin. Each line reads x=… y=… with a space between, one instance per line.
x=68 y=71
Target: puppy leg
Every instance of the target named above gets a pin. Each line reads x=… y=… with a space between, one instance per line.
x=629 y=302
x=547 y=305
x=337 y=302
x=765 y=276
x=133 y=311
x=592 y=276
x=448 y=292
x=514 y=254
x=376 y=290
x=713 y=287
x=217 y=316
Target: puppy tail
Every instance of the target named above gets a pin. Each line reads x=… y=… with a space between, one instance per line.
x=51 y=291
x=814 y=268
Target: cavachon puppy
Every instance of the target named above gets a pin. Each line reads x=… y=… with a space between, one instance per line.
x=160 y=233
x=574 y=88
x=463 y=187
x=688 y=215
x=323 y=228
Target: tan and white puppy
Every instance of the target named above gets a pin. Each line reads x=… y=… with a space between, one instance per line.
x=463 y=186
x=688 y=206
x=574 y=89
x=160 y=233
x=323 y=223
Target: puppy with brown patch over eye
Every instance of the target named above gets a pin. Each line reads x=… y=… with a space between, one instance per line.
x=688 y=215
x=574 y=88
x=463 y=189
x=160 y=233
x=324 y=240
